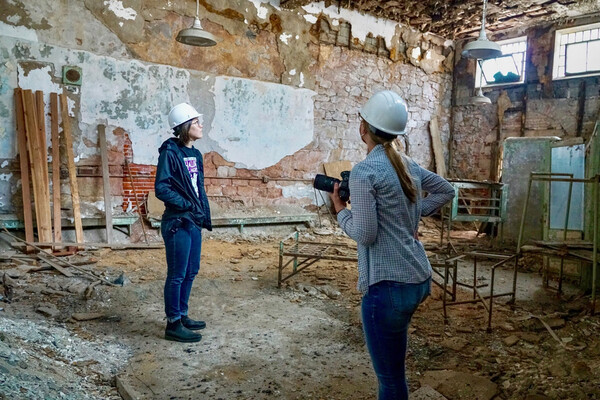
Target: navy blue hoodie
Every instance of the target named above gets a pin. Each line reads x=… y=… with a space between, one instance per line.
x=174 y=187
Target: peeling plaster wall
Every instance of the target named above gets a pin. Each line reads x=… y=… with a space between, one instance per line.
x=260 y=118
x=539 y=107
x=279 y=93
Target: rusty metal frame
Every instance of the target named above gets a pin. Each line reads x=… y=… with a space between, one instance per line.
x=305 y=253
x=486 y=300
x=564 y=249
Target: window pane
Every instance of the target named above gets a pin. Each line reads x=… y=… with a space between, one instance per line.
x=576 y=58
x=578 y=36
x=563 y=39
x=571 y=38
x=593 y=63
x=594 y=34
x=519 y=61
x=561 y=51
x=586 y=35
x=523 y=46
x=508 y=68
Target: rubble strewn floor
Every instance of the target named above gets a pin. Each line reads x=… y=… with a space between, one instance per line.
x=302 y=341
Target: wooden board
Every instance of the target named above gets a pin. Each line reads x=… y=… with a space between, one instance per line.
x=71 y=166
x=24 y=166
x=154 y=207
x=105 y=182
x=335 y=169
x=55 y=167
x=438 y=150
x=39 y=170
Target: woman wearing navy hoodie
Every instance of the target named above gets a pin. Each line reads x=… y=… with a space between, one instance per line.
x=180 y=185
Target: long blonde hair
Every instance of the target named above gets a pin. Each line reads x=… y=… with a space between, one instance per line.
x=408 y=186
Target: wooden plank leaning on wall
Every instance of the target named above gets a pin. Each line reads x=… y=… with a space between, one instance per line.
x=39 y=170
x=55 y=168
x=106 y=182
x=24 y=166
x=71 y=167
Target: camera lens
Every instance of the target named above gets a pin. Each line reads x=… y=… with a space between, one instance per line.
x=325 y=183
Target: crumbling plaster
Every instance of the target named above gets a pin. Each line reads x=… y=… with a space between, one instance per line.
x=134 y=70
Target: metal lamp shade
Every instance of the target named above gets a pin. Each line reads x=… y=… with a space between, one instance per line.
x=196 y=36
x=480 y=99
x=482 y=49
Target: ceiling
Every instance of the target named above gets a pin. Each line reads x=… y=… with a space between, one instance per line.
x=455 y=19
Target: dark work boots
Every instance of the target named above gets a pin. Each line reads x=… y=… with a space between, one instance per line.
x=192 y=324
x=177 y=332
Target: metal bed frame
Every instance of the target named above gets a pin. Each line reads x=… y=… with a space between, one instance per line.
x=450 y=281
x=565 y=248
x=305 y=253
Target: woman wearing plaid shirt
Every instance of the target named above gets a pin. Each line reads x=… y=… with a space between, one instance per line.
x=394 y=272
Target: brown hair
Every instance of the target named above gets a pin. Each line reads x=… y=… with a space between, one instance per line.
x=182 y=132
x=385 y=139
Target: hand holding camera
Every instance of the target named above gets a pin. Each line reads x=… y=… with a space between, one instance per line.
x=339 y=189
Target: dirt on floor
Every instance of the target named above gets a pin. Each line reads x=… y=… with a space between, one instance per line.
x=65 y=338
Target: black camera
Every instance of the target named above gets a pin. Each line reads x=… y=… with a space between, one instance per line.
x=326 y=183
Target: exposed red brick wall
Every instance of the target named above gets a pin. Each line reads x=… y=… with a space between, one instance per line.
x=142 y=176
x=224 y=183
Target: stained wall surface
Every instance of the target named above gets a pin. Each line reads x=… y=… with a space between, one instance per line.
x=539 y=107
x=279 y=93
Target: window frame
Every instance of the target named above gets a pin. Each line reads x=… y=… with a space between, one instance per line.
x=478 y=73
x=558 y=34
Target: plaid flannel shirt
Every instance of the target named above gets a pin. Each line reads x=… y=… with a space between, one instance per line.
x=383 y=221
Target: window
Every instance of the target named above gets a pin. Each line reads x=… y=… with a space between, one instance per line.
x=577 y=51
x=506 y=69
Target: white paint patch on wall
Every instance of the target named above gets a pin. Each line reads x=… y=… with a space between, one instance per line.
x=38 y=79
x=19 y=32
x=118 y=93
x=261 y=11
x=116 y=6
x=298 y=191
x=284 y=37
x=362 y=24
x=5 y=177
x=4 y=164
x=310 y=18
x=259 y=123
x=134 y=96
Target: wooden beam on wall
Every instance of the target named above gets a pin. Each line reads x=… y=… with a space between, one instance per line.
x=55 y=167
x=438 y=149
x=24 y=166
x=71 y=166
x=106 y=183
x=43 y=156
x=38 y=172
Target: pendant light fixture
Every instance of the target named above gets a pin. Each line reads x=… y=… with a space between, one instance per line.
x=479 y=98
x=482 y=48
x=195 y=35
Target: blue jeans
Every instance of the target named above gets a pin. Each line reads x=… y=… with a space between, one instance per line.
x=183 y=242
x=386 y=312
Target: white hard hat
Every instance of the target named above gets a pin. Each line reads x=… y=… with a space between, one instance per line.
x=181 y=113
x=387 y=112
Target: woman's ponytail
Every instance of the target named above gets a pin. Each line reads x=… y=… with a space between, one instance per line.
x=408 y=186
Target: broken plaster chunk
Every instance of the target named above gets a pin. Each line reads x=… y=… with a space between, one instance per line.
x=460 y=385
x=329 y=291
x=426 y=392
x=48 y=310
x=511 y=340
